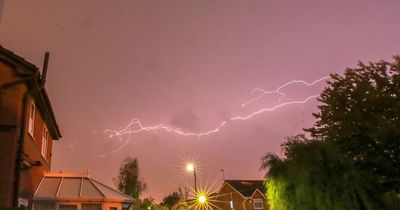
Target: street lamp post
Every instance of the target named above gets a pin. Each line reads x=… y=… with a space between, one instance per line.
x=190 y=168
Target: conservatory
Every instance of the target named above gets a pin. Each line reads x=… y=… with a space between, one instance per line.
x=67 y=191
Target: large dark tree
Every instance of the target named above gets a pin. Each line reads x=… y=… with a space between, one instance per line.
x=315 y=175
x=360 y=113
x=128 y=180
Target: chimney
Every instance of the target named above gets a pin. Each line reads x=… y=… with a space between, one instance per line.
x=45 y=65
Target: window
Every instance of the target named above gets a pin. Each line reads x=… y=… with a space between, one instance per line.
x=91 y=206
x=45 y=140
x=44 y=206
x=113 y=208
x=258 y=204
x=68 y=207
x=31 y=123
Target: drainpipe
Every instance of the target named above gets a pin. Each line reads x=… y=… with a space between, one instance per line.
x=20 y=151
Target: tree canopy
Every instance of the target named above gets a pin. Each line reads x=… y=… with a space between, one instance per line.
x=128 y=180
x=352 y=158
x=314 y=175
x=360 y=113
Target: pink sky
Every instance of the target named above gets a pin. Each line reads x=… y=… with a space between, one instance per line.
x=188 y=64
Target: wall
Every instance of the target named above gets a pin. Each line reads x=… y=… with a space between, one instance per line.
x=226 y=194
x=31 y=178
x=10 y=115
x=10 y=125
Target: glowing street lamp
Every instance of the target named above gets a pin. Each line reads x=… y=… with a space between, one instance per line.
x=202 y=199
x=190 y=168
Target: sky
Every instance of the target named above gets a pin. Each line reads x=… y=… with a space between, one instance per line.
x=189 y=65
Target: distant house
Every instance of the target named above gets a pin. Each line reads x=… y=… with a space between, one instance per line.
x=241 y=195
x=27 y=129
x=66 y=191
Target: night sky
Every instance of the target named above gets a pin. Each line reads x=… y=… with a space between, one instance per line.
x=189 y=65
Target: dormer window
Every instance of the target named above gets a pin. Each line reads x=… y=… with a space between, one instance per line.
x=258 y=204
x=31 y=122
x=45 y=140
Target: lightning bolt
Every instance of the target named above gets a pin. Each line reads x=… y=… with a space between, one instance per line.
x=135 y=126
x=259 y=93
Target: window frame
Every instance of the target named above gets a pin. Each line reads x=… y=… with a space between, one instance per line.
x=31 y=119
x=45 y=142
x=258 y=200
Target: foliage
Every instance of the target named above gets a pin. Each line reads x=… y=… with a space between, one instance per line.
x=360 y=113
x=147 y=204
x=173 y=198
x=315 y=175
x=128 y=180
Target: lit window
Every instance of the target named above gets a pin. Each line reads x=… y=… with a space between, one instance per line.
x=45 y=139
x=31 y=123
x=258 y=204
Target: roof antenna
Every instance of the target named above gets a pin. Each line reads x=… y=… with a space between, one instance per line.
x=223 y=174
x=45 y=65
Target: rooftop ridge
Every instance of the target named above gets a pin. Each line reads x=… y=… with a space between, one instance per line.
x=66 y=174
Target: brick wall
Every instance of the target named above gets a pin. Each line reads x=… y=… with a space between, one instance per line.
x=10 y=112
x=10 y=125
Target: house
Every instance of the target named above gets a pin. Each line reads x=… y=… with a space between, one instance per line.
x=27 y=129
x=241 y=195
x=68 y=191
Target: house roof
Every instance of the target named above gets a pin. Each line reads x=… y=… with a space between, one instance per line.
x=31 y=73
x=247 y=187
x=78 y=188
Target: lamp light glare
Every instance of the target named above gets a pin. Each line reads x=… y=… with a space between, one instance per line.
x=202 y=199
x=190 y=167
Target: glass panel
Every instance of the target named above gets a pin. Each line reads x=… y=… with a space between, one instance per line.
x=113 y=208
x=68 y=207
x=49 y=187
x=91 y=206
x=109 y=192
x=71 y=187
x=44 y=206
x=90 y=191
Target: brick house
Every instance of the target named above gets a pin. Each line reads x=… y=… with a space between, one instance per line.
x=241 y=195
x=27 y=129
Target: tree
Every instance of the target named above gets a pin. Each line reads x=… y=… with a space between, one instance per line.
x=360 y=113
x=172 y=199
x=128 y=180
x=315 y=175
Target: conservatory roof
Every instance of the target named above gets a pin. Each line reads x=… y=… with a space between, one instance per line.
x=76 y=187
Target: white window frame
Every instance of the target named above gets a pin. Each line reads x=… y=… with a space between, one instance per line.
x=258 y=201
x=45 y=142
x=31 y=121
